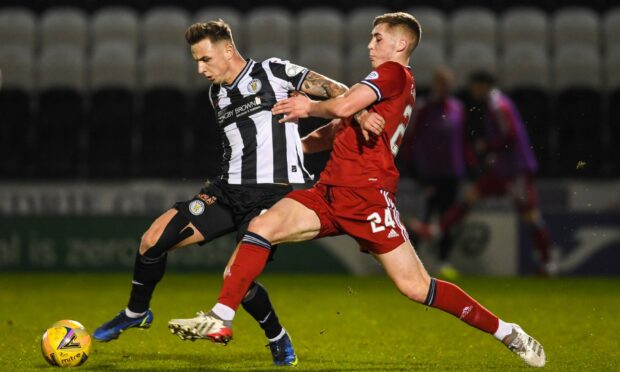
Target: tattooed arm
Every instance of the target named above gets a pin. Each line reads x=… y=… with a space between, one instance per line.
x=321 y=86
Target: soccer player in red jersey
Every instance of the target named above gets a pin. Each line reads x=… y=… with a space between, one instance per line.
x=355 y=196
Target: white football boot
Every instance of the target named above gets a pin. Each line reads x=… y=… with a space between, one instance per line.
x=525 y=346
x=203 y=326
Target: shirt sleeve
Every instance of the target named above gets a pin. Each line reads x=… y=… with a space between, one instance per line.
x=507 y=124
x=386 y=81
x=290 y=74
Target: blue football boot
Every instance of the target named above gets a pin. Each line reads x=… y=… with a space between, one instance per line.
x=112 y=329
x=282 y=352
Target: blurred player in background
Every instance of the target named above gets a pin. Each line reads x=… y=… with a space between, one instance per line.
x=435 y=145
x=262 y=158
x=356 y=196
x=508 y=169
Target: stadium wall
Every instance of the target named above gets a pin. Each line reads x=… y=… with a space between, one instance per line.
x=97 y=227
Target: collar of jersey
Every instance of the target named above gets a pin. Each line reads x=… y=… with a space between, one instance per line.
x=249 y=62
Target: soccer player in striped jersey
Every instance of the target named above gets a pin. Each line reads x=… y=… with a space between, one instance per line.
x=262 y=159
x=356 y=196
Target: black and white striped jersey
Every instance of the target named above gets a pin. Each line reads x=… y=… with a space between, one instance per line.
x=258 y=149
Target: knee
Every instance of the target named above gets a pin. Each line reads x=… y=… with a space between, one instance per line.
x=262 y=226
x=415 y=289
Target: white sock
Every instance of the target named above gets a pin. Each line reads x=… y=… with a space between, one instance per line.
x=131 y=314
x=503 y=330
x=282 y=333
x=223 y=311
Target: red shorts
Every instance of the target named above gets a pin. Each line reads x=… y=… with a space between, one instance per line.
x=366 y=214
x=520 y=188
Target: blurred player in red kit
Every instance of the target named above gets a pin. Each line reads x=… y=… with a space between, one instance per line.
x=356 y=196
x=435 y=146
x=508 y=169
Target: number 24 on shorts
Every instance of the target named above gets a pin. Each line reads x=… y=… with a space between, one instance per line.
x=375 y=221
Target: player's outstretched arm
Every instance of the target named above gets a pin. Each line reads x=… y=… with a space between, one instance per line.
x=318 y=85
x=354 y=100
x=320 y=139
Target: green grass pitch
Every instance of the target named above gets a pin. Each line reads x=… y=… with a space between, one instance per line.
x=338 y=323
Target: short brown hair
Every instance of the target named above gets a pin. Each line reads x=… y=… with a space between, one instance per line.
x=405 y=20
x=213 y=30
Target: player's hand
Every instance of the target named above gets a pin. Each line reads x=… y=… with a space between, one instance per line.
x=295 y=107
x=370 y=122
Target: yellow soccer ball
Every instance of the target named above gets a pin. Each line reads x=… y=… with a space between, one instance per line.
x=68 y=323
x=65 y=346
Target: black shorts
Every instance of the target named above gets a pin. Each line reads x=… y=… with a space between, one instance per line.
x=221 y=208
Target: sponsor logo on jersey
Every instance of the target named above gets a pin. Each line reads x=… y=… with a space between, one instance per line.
x=208 y=199
x=292 y=69
x=372 y=76
x=197 y=207
x=254 y=86
x=392 y=234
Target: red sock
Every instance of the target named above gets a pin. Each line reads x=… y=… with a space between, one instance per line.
x=542 y=243
x=452 y=299
x=249 y=263
x=453 y=216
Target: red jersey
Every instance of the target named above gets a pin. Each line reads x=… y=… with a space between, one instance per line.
x=357 y=163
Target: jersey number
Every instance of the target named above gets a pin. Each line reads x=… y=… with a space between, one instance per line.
x=397 y=137
x=375 y=221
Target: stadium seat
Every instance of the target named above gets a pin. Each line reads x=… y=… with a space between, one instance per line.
x=16 y=64
x=470 y=57
x=64 y=26
x=612 y=77
x=165 y=26
x=358 y=65
x=60 y=119
x=525 y=65
x=115 y=24
x=230 y=15
x=433 y=23
x=266 y=51
x=424 y=60
x=612 y=69
x=359 y=25
x=320 y=27
x=579 y=108
x=18 y=27
x=113 y=80
x=269 y=26
x=524 y=25
x=611 y=28
x=16 y=84
x=575 y=25
x=324 y=60
x=206 y=153
x=165 y=112
x=473 y=25
x=526 y=77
